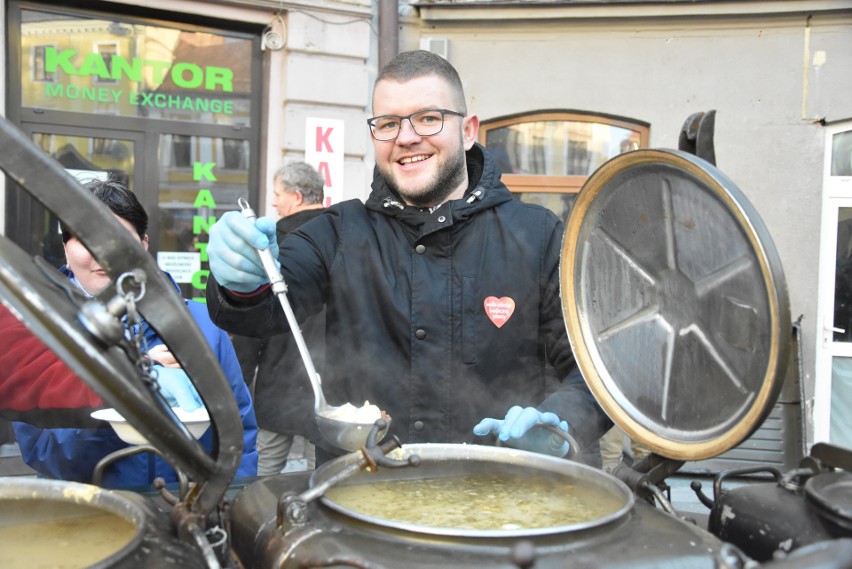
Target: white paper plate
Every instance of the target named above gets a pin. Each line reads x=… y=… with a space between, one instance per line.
x=197 y=422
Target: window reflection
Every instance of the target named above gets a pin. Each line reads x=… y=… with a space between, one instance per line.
x=86 y=153
x=106 y=51
x=545 y=157
x=37 y=64
x=181 y=150
x=843 y=277
x=557 y=147
x=234 y=154
x=841 y=154
x=558 y=203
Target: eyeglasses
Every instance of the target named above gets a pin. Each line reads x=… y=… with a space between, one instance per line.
x=424 y=123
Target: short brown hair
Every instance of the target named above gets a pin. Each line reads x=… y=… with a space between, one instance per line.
x=413 y=64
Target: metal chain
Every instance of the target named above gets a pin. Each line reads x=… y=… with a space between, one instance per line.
x=135 y=327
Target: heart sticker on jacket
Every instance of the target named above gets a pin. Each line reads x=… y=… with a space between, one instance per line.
x=499 y=310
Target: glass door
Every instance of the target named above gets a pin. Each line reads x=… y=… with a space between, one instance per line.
x=833 y=387
x=198 y=179
x=193 y=181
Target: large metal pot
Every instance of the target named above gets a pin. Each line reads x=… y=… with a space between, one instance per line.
x=632 y=533
x=450 y=461
x=71 y=525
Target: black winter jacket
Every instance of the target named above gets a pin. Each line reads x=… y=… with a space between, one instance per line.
x=408 y=295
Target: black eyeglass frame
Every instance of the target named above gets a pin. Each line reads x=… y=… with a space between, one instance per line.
x=443 y=112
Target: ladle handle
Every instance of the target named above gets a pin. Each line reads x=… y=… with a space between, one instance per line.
x=279 y=288
x=573 y=447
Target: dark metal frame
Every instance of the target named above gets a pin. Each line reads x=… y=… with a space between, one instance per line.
x=29 y=288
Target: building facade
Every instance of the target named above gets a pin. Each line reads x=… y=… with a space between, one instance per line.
x=196 y=104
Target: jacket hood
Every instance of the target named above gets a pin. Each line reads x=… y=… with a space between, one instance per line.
x=485 y=191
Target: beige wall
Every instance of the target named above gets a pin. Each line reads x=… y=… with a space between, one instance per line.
x=326 y=73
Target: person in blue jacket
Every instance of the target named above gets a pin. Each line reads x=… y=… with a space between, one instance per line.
x=72 y=453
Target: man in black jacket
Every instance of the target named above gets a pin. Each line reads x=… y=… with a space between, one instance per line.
x=441 y=291
x=284 y=408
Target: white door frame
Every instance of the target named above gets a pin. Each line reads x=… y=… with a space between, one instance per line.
x=837 y=193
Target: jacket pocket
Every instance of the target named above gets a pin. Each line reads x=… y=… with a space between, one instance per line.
x=469 y=306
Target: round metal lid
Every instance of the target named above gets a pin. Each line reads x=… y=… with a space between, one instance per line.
x=675 y=303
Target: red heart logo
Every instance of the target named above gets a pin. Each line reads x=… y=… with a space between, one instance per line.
x=499 y=310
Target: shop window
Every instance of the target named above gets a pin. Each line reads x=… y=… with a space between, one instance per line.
x=181 y=151
x=546 y=157
x=93 y=65
x=46 y=142
x=109 y=148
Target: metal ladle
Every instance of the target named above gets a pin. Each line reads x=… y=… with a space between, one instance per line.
x=346 y=435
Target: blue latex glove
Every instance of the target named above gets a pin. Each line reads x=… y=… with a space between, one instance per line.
x=232 y=250
x=177 y=388
x=519 y=430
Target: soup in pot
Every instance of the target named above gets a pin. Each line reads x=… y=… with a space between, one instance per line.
x=65 y=542
x=493 y=499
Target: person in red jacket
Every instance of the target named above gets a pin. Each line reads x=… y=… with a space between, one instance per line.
x=35 y=385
